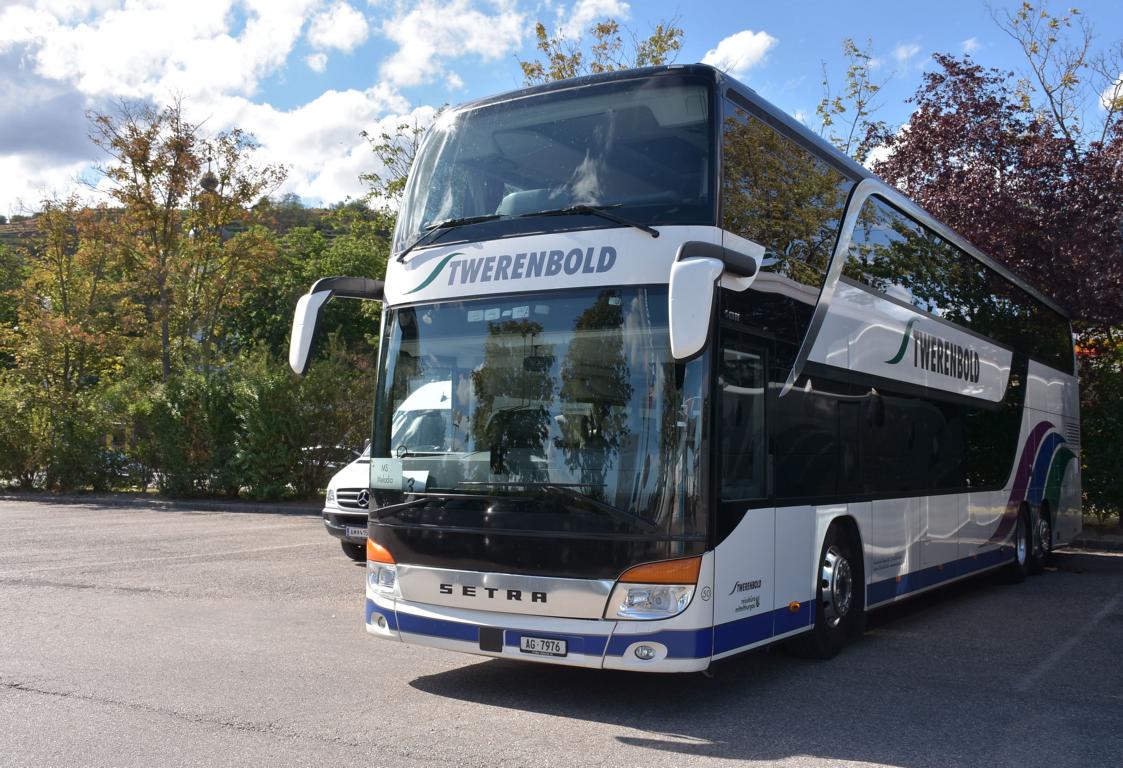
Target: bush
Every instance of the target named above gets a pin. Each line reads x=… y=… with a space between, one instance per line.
x=19 y=461
x=1101 y=444
x=291 y=428
x=188 y=434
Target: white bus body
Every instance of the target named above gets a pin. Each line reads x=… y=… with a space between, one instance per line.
x=878 y=410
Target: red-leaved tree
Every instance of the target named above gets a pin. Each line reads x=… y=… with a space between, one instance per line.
x=979 y=157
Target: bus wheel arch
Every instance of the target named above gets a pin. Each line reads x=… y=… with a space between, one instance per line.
x=839 y=601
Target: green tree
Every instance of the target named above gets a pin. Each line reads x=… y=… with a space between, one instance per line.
x=186 y=225
x=846 y=117
x=607 y=48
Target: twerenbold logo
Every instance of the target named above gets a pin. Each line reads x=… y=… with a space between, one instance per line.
x=904 y=343
x=938 y=355
x=489 y=269
x=433 y=275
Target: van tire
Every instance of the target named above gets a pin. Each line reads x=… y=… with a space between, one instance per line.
x=356 y=552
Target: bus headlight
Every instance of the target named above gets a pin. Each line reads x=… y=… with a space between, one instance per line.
x=383 y=579
x=654 y=590
x=639 y=602
x=382 y=572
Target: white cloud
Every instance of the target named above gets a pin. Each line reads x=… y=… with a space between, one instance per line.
x=970 y=45
x=317 y=62
x=341 y=27
x=319 y=142
x=432 y=32
x=155 y=48
x=26 y=179
x=577 y=20
x=740 y=52
x=800 y=115
x=905 y=51
x=1112 y=93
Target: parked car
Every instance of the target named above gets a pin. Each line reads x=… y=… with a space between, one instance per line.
x=346 y=506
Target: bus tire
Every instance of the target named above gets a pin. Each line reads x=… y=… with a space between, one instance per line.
x=1041 y=542
x=838 y=599
x=356 y=552
x=1017 y=571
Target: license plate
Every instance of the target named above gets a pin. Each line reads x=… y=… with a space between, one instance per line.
x=354 y=532
x=542 y=646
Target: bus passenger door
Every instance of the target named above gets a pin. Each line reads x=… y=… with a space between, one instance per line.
x=744 y=557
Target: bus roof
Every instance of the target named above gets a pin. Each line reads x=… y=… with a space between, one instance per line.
x=779 y=119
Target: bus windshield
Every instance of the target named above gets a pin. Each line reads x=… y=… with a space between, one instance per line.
x=569 y=399
x=642 y=149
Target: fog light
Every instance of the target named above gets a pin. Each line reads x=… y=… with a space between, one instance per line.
x=382 y=622
x=645 y=653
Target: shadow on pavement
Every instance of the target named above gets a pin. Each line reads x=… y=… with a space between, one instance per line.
x=893 y=698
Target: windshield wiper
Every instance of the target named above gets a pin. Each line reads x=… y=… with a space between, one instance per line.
x=594 y=210
x=433 y=231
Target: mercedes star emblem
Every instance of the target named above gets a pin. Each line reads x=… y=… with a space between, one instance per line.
x=363 y=499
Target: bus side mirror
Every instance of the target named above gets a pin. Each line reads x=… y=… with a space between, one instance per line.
x=311 y=304
x=691 y=293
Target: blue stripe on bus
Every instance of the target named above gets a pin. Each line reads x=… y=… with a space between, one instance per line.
x=696 y=643
x=1041 y=466
x=390 y=616
x=887 y=589
x=680 y=643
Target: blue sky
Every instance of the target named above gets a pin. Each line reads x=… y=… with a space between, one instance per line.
x=306 y=76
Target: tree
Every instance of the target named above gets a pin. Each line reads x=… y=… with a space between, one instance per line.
x=607 y=52
x=852 y=109
x=1007 y=177
x=181 y=195
x=394 y=150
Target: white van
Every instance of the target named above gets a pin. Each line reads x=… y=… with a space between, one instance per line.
x=421 y=423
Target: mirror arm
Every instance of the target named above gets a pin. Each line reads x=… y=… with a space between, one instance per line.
x=310 y=305
x=362 y=288
x=736 y=263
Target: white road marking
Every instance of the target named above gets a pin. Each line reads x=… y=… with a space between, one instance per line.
x=75 y=566
x=1066 y=647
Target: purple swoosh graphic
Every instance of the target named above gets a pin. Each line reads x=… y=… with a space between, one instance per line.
x=1021 y=483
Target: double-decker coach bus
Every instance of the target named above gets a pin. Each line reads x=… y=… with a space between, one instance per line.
x=710 y=384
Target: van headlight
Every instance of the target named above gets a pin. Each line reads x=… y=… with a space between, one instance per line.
x=654 y=590
x=331 y=495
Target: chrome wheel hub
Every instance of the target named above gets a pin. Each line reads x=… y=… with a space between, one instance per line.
x=836 y=586
x=1020 y=539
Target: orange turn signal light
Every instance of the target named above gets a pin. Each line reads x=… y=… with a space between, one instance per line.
x=376 y=553
x=793 y=606
x=681 y=571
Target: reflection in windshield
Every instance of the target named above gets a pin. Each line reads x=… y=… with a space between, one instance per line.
x=643 y=145
x=527 y=394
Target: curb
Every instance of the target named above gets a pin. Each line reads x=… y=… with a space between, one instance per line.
x=1103 y=545
x=180 y=505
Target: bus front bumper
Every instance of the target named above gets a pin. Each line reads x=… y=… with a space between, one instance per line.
x=594 y=644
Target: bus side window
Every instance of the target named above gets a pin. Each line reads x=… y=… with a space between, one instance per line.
x=743 y=447
x=777 y=193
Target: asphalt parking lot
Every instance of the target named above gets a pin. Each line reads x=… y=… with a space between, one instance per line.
x=136 y=637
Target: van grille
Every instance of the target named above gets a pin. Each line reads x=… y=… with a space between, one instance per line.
x=348 y=498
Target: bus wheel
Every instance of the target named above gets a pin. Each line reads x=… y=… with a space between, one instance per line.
x=1017 y=571
x=838 y=600
x=356 y=552
x=1041 y=541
